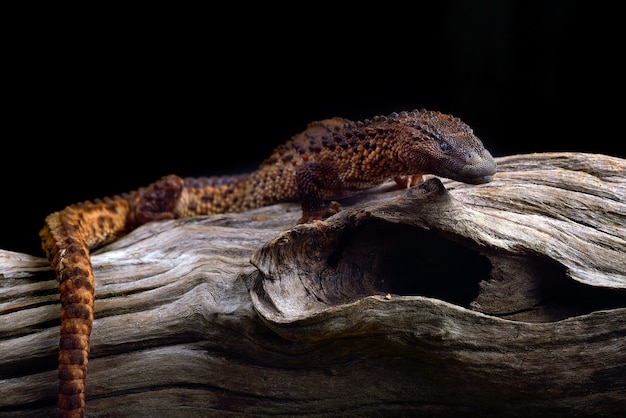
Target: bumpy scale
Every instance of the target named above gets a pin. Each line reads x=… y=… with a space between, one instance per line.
x=331 y=159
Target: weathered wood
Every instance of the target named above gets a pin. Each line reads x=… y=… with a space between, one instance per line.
x=505 y=298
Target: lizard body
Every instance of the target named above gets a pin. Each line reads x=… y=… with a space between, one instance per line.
x=330 y=159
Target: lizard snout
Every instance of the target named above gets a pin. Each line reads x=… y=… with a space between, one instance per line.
x=480 y=167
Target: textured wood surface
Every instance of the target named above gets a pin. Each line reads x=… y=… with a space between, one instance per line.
x=504 y=298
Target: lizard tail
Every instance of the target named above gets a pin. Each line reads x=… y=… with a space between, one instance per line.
x=67 y=238
x=69 y=235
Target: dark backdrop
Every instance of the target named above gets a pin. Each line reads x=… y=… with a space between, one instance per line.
x=100 y=102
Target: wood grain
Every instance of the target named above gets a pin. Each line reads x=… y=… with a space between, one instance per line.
x=507 y=298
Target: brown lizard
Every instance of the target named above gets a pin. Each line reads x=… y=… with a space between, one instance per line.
x=332 y=158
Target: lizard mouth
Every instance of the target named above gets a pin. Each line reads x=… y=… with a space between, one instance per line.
x=475 y=167
x=472 y=174
x=479 y=179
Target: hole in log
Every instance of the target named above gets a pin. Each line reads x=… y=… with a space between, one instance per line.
x=565 y=297
x=407 y=261
x=381 y=258
x=534 y=288
x=313 y=268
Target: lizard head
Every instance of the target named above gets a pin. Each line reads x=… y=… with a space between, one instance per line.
x=444 y=146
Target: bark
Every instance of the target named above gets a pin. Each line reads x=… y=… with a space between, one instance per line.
x=507 y=298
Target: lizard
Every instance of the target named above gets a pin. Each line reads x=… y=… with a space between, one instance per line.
x=330 y=159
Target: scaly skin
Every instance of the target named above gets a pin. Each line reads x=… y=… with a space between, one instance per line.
x=331 y=159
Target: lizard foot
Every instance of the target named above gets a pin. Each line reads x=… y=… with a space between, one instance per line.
x=406 y=182
x=309 y=216
x=159 y=200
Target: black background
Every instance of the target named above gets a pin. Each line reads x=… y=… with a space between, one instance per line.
x=99 y=102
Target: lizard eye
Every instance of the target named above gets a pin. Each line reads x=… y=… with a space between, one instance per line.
x=444 y=146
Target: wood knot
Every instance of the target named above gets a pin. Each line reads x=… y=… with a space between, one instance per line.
x=431 y=188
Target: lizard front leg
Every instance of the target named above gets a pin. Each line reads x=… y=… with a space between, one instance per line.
x=311 y=180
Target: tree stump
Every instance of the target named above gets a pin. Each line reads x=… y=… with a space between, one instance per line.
x=507 y=298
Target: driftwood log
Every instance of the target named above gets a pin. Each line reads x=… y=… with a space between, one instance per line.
x=507 y=298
